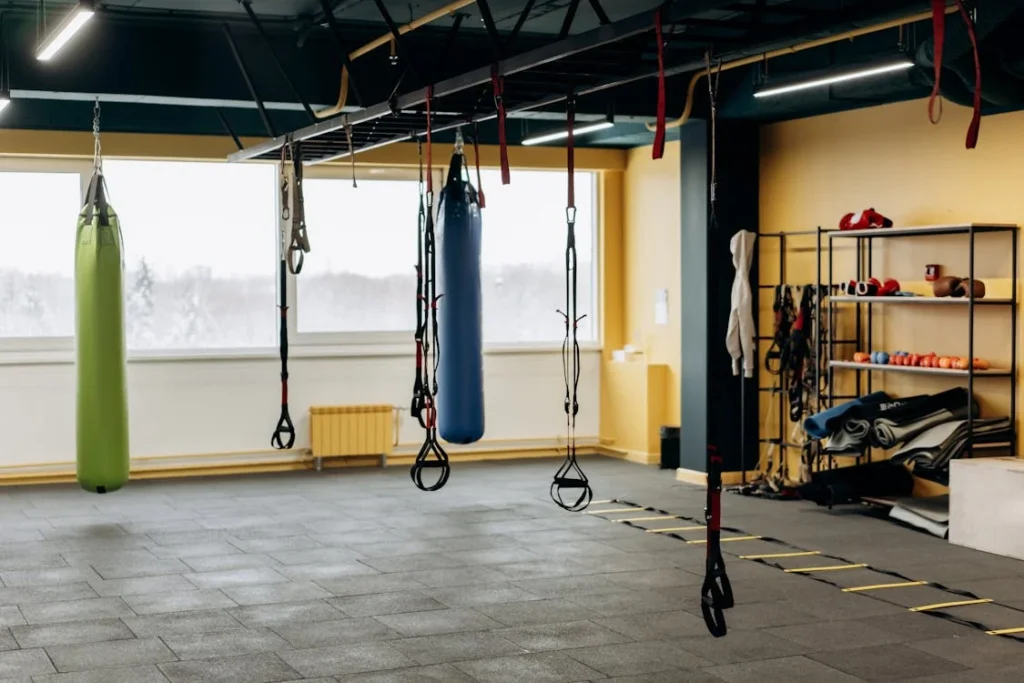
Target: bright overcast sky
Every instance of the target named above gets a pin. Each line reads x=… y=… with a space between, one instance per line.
x=223 y=216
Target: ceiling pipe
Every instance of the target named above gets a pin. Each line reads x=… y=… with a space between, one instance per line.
x=384 y=40
x=793 y=49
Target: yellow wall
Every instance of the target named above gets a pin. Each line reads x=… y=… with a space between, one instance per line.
x=890 y=158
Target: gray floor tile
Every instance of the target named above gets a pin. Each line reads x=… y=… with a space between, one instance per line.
x=10 y=615
x=569 y=586
x=471 y=596
x=276 y=545
x=837 y=635
x=276 y=592
x=286 y=614
x=71 y=633
x=18 y=663
x=264 y=668
x=750 y=646
x=224 y=643
x=367 y=585
x=656 y=626
x=645 y=579
x=315 y=556
x=630 y=602
x=132 y=674
x=440 y=673
x=43 y=577
x=129 y=570
x=239 y=560
x=346 y=659
x=435 y=622
x=75 y=610
x=670 y=676
x=1004 y=674
x=192 y=550
x=544 y=667
x=230 y=578
x=303 y=636
x=637 y=658
x=54 y=593
x=385 y=603
x=143 y=585
x=179 y=601
x=202 y=621
x=454 y=647
x=457 y=576
x=975 y=650
x=112 y=653
x=325 y=571
x=561 y=636
x=886 y=662
x=783 y=670
x=536 y=612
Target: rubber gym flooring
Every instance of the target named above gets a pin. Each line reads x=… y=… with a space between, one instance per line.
x=356 y=576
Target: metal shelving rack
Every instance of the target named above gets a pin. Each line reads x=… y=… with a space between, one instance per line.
x=778 y=393
x=865 y=305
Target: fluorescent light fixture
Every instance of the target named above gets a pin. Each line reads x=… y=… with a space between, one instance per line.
x=829 y=78
x=5 y=100
x=66 y=30
x=562 y=134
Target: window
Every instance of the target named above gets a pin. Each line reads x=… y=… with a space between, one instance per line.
x=360 y=273
x=523 y=263
x=37 y=262
x=200 y=249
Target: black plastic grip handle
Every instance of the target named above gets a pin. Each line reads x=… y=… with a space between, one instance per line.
x=284 y=435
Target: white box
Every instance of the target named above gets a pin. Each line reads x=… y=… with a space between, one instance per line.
x=986 y=505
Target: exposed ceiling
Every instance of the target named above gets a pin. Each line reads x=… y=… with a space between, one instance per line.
x=168 y=65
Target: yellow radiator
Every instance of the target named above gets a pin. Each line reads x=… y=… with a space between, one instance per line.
x=351 y=430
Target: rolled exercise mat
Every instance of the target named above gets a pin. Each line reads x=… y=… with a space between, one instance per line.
x=102 y=394
x=824 y=424
x=460 y=371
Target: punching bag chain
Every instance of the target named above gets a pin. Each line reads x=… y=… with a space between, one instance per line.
x=570 y=475
x=716 y=591
x=424 y=407
x=284 y=434
x=97 y=153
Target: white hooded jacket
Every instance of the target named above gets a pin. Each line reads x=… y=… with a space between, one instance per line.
x=741 y=338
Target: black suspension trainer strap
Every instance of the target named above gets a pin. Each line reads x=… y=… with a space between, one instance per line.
x=431 y=454
x=570 y=476
x=419 y=385
x=716 y=591
x=284 y=435
x=299 y=240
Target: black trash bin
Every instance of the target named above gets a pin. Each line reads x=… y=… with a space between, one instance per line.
x=669 y=448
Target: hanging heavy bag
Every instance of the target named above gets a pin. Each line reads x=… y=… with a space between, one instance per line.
x=102 y=410
x=460 y=396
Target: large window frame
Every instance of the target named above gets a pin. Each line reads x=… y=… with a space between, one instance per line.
x=35 y=350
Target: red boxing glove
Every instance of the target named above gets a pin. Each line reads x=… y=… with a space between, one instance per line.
x=889 y=287
x=863 y=220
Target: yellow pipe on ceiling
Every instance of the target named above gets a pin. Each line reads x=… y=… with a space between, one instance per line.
x=384 y=40
x=792 y=49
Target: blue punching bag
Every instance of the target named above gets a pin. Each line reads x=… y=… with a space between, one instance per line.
x=460 y=373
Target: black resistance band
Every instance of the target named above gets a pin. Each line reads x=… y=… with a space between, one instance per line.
x=284 y=435
x=570 y=475
x=424 y=406
x=716 y=592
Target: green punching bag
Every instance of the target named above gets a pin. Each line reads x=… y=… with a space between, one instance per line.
x=102 y=411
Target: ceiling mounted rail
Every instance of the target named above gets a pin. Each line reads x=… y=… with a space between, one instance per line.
x=401 y=116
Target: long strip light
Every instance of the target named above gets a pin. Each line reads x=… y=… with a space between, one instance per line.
x=562 y=134
x=837 y=77
x=69 y=26
x=5 y=100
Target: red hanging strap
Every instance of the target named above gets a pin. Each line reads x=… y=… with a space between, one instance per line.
x=430 y=146
x=498 y=84
x=476 y=159
x=939 y=31
x=658 y=150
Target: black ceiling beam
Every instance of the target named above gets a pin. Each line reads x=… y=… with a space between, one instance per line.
x=523 y=16
x=396 y=36
x=492 y=29
x=227 y=127
x=570 y=15
x=602 y=16
x=635 y=25
x=247 y=6
x=248 y=82
x=343 y=48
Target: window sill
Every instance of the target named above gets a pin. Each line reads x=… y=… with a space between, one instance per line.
x=63 y=357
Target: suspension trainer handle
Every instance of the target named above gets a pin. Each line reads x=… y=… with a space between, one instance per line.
x=716 y=591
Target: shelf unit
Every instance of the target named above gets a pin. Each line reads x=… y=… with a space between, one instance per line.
x=778 y=393
x=865 y=306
